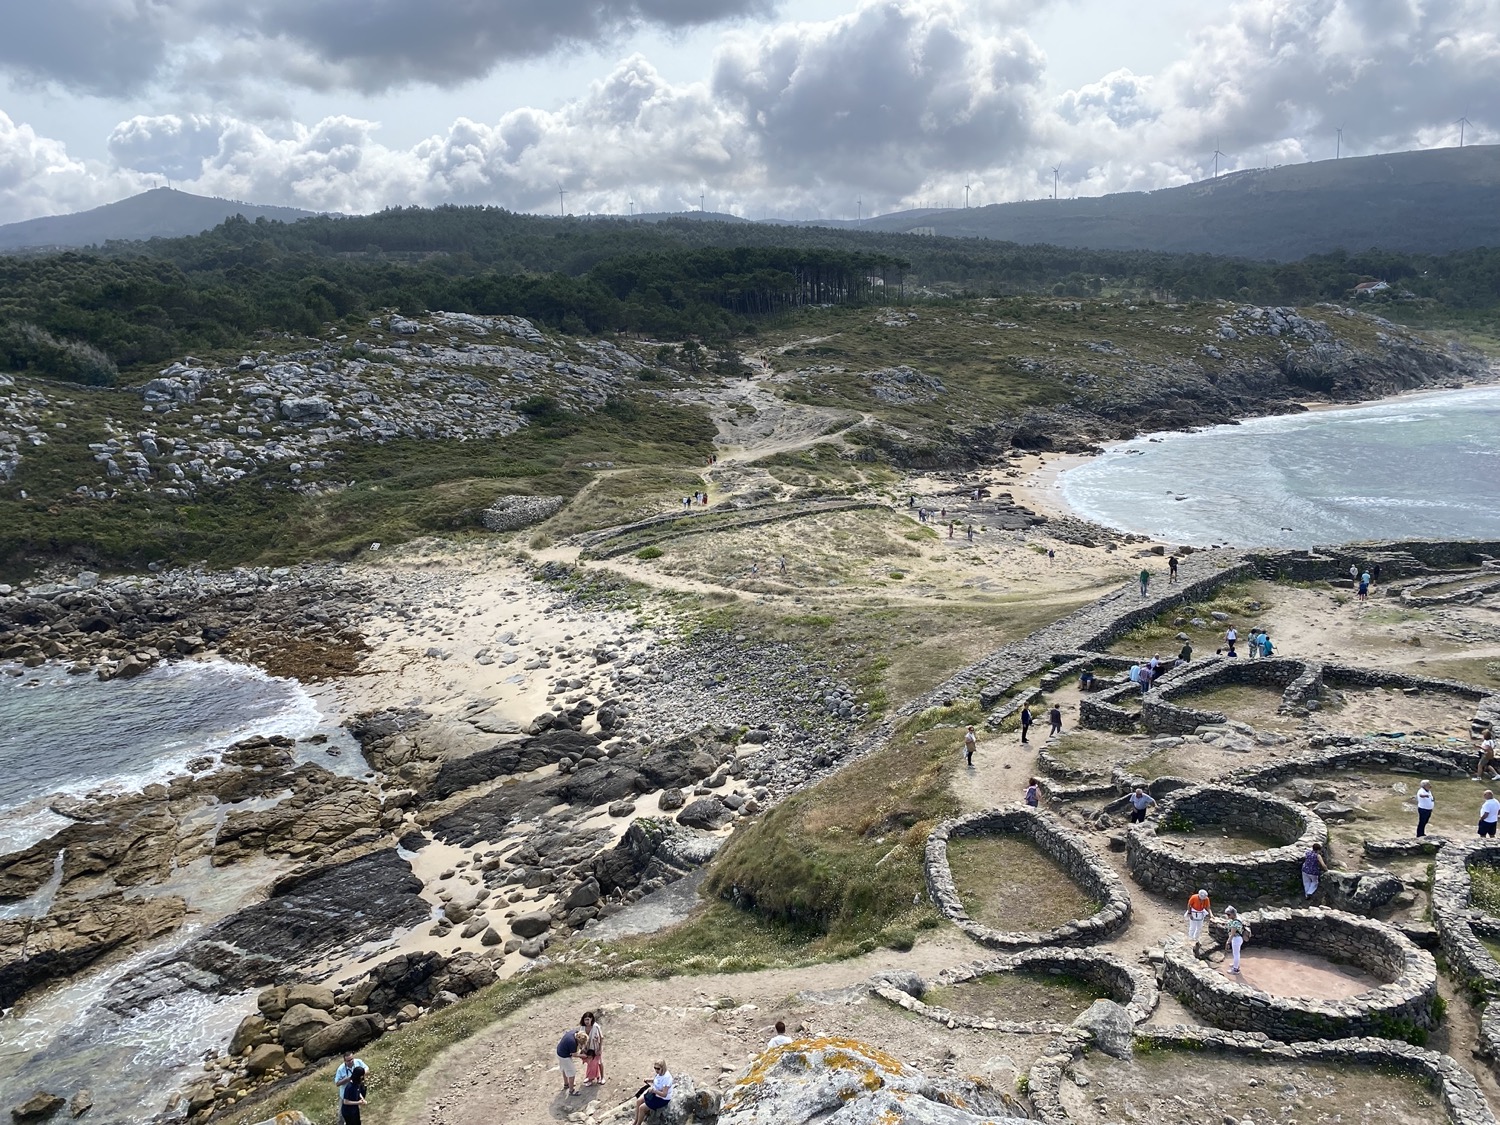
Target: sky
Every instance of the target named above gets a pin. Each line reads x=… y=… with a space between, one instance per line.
x=787 y=108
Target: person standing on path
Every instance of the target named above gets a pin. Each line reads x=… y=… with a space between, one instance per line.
x=1425 y=805
x=1237 y=932
x=1033 y=795
x=1171 y=569
x=353 y=1097
x=1489 y=814
x=971 y=743
x=656 y=1094
x=1231 y=635
x=568 y=1049
x=1313 y=866
x=1364 y=586
x=1140 y=801
x=1199 y=910
x=342 y=1075
x=1185 y=654
x=1026 y=721
x=1054 y=716
x=1145 y=577
x=593 y=1050
x=950 y=529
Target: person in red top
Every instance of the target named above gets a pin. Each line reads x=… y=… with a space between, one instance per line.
x=1199 y=910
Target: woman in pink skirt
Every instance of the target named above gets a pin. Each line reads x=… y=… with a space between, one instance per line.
x=593 y=1051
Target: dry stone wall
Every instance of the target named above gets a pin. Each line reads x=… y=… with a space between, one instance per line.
x=1064 y=847
x=1399 y=1006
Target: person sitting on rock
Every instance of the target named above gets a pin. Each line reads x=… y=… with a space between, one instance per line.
x=656 y=1094
x=1086 y=680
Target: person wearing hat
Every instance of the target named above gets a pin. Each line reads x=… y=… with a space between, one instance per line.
x=1237 y=932
x=1199 y=910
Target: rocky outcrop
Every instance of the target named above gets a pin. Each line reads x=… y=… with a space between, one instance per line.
x=847 y=1082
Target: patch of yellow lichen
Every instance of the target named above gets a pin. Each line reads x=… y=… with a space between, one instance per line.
x=839 y=1052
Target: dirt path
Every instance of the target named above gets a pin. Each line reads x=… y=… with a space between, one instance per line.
x=705 y=1027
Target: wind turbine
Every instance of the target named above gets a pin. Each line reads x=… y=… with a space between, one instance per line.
x=966 y=197
x=1218 y=154
x=859 y=211
x=701 y=207
x=1056 y=171
x=632 y=208
x=560 y=194
x=1338 y=150
x=1463 y=123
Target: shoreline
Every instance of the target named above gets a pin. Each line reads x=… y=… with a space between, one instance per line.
x=1040 y=475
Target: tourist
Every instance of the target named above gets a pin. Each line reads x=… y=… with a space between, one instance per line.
x=1033 y=796
x=1375 y=575
x=1086 y=680
x=345 y=1072
x=1425 y=805
x=1055 y=717
x=1266 y=648
x=1489 y=813
x=1364 y=585
x=780 y=1039
x=1353 y=575
x=971 y=743
x=1254 y=639
x=1486 y=758
x=1171 y=569
x=1153 y=664
x=1231 y=637
x=568 y=1049
x=781 y=562
x=1199 y=910
x=1140 y=801
x=1237 y=932
x=1026 y=720
x=1051 y=554
x=593 y=1050
x=1185 y=654
x=1313 y=866
x=969 y=531
x=1135 y=673
x=1145 y=577
x=353 y=1097
x=1145 y=678
x=656 y=1094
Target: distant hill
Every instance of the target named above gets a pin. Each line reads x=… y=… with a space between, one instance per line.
x=1430 y=202
x=158 y=213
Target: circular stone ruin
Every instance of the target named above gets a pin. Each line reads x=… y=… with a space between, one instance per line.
x=1189 y=1055
x=1127 y=985
x=1399 y=1005
x=1080 y=863
x=1159 y=864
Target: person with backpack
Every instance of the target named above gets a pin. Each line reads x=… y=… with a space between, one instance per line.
x=1033 y=796
x=1237 y=934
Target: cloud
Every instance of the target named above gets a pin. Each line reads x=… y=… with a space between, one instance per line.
x=120 y=47
x=38 y=177
x=895 y=103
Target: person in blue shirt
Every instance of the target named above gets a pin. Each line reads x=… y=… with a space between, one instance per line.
x=345 y=1072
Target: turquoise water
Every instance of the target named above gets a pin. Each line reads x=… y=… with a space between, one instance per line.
x=1418 y=467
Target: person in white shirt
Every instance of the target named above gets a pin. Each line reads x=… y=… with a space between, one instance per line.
x=781 y=1038
x=342 y=1075
x=1231 y=636
x=657 y=1094
x=1489 y=814
x=1425 y=805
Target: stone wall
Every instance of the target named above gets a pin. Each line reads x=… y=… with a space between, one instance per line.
x=1270 y=871
x=1128 y=985
x=1454 y=1086
x=1455 y=918
x=1076 y=858
x=511 y=512
x=1402 y=1004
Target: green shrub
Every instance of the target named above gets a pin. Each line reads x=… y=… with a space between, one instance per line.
x=25 y=347
x=649 y=553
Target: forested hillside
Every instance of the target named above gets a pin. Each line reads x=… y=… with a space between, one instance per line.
x=81 y=315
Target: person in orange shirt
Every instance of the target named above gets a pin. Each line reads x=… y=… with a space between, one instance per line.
x=1199 y=910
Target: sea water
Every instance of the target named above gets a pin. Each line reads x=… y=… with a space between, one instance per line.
x=76 y=734
x=1418 y=467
